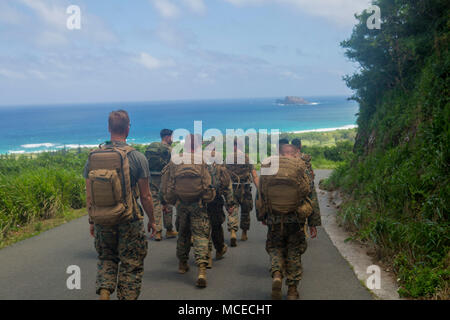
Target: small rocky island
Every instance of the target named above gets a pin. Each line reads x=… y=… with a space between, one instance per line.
x=291 y=100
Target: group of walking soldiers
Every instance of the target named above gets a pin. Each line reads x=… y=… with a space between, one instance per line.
x=122 y=184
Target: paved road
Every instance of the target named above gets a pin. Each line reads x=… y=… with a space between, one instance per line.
x=36 y=268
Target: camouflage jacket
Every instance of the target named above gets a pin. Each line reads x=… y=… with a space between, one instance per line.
x=314 y=219
x=223 y=184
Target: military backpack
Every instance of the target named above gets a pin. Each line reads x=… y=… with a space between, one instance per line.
x=287 y=190
x=112 y=198
x=158 y=156
x=187 y=183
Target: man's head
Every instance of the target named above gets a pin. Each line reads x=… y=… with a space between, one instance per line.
x=119 y=124
x=283 y=141
x=166 y=136
x=288 y=150
x=297 y=143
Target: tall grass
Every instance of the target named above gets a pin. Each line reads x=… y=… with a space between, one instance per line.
x=36 y=187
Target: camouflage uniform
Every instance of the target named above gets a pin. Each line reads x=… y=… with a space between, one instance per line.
x=215 y=208
x=193 y=221
x=286 y=239
x=243 y=198
x=161 y=217
x=313 y=196
x=125 y=243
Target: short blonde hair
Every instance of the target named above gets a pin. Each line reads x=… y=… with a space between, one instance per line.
x=118 y=122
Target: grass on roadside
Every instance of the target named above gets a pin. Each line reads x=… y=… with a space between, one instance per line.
x=36 y=227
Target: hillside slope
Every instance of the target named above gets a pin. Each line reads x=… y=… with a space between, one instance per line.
x=398 y=179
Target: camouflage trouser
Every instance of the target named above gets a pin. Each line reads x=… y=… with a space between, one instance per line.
x=124 y=243
x=193 y=220
x=158 y=213
x=285 y=247
x=216 y=218
x=245 y=202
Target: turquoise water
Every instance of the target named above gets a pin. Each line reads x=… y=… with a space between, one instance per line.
x=38 y=128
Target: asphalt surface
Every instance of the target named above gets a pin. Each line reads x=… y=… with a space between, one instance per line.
x=36 y=268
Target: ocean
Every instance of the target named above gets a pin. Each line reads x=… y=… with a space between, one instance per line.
x=41 y=128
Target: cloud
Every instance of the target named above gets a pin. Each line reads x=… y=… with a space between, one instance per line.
x=268 y=48
x=153 y=63
x=50 y=13
x=290 y=75
x=166 y=8
x=197 y=6
x=46 y=25
x=339 y=11
x=174 y=37
x=11 y=74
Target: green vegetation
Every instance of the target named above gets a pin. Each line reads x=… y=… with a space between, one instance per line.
x=327 y=149
x=39 y=187
x=397 y=180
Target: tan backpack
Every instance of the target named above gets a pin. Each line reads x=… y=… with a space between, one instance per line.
x=288 y=189
x=112 y=198
x=187 y=183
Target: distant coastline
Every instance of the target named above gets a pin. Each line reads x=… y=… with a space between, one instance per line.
x=56 y=147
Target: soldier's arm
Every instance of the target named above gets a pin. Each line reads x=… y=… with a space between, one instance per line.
x=255 y=178
x=89 y=205
x=147 y=203
x=229 y=198
x=314 y=219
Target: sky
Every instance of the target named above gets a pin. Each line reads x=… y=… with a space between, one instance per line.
x=146 y=50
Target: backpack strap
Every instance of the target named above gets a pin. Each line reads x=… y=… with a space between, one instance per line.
x=127 y=149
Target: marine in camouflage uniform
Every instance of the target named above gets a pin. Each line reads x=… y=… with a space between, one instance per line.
x=122 y=248
x=286 y=241
x=192 y=221
x=224 y=196
x=243 y=198
x=161 y=217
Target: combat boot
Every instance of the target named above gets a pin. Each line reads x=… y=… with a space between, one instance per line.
x=158 y=236
x=171 y=234
x=244 y=236
x=210 y=262
x=183 y=267
x=219 y=255
x=277 y=282
x=293 y=293
x=233 y=238
x=104 y=294
x=201 y=279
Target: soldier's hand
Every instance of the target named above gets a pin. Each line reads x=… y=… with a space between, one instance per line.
x=151 y=229
x=165 y=208
x=264 y=222
x=91 y=229
x=313 y=232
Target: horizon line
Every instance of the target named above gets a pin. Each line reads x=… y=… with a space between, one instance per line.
x=163 y=100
